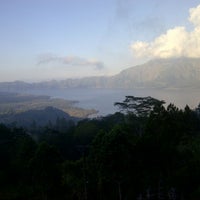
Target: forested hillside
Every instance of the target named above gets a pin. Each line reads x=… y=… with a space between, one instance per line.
x=146 y=151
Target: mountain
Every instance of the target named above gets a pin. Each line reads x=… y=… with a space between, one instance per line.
x=159 y=73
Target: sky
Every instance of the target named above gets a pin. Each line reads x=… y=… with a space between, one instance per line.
x=59 y=39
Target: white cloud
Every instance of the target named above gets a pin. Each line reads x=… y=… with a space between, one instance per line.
x=195 y=15
x=176 y=42
x=69 y=61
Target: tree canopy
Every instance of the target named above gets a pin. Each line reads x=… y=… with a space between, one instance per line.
x=151 y=152
x=140 y=106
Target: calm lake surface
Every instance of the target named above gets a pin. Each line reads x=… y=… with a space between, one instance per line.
x=103 y=99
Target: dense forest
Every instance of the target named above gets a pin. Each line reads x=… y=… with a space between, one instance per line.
x=147 y=151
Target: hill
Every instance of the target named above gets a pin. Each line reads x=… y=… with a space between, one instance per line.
x=15 y=103
x=42 y=117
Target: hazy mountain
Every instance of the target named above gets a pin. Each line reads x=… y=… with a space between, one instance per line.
x=160 y=73
x=177 y=72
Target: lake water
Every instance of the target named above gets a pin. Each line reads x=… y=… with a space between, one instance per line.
x=103 y=99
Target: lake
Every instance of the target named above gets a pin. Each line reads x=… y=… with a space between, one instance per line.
x=103 y=99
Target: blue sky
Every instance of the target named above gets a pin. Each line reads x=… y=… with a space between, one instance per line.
x=57 y=39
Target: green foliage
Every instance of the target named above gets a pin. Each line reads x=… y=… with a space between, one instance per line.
x=73 y=179
x=45 y=170
x=140 y=106
x=152 y=153
x=85 y=131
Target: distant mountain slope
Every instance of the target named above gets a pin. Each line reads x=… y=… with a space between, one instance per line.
x=40 y=117
x=160 y=73
x=177 y=72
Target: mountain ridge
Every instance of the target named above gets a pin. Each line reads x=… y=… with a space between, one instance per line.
x=158 y=73
x=176 y=72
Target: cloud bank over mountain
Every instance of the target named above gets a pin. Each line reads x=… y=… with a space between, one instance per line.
x=176 y=42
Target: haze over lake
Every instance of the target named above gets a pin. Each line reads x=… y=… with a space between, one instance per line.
x=103 y=99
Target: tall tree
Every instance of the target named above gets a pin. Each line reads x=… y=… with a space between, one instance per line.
x=140 y=106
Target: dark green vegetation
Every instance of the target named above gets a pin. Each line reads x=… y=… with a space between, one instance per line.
x=149 y=152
